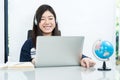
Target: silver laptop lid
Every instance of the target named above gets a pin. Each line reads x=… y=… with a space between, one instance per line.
x=58 y=51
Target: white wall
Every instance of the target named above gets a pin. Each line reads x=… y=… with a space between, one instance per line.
x=1 y=31
x=94 y=19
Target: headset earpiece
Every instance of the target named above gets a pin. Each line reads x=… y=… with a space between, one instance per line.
x=35 y=21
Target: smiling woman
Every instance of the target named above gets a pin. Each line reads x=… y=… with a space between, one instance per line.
x=45 y=24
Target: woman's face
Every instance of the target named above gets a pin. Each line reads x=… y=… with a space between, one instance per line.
x=47 y=23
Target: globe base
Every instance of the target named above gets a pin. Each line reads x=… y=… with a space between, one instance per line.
x=101 y=69
x=104 y=68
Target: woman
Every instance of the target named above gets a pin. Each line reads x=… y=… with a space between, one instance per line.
x=45 y=24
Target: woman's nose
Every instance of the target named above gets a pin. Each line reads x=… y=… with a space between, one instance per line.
x=46 y=21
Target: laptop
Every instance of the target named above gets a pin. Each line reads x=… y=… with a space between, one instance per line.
x=56 y=51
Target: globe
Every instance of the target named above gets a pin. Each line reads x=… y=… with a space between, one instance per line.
x=103 y=50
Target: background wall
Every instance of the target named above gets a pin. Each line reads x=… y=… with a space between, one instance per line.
x=94 y=19
x=1 y=31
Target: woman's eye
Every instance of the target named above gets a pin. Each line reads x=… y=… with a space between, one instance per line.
x=42 y=19
x=50 y=18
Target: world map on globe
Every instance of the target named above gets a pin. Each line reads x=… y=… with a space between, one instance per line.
x=103 y=49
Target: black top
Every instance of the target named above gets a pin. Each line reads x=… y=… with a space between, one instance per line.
x=25 y=54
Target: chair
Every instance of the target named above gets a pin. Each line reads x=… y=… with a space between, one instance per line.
x=29 y=34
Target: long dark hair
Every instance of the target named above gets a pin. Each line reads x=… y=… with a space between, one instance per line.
x=36 y=30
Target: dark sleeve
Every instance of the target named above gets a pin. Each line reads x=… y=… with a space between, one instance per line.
x=25 y=55
x=83 y=56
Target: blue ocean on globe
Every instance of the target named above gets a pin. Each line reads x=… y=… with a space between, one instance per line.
x=103 y=49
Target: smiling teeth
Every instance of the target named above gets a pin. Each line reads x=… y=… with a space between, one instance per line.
x=47 y=27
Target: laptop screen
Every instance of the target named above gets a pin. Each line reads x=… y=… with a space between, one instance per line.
x=58 y=51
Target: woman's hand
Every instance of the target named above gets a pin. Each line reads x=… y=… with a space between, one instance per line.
x=87 y=62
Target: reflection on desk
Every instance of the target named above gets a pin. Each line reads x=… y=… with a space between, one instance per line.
x=58 y=73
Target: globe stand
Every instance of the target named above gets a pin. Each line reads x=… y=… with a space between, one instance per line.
x=104 y=68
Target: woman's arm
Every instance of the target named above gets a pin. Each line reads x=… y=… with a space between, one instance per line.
x=25 y=54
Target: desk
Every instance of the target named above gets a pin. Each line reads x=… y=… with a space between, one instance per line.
x=60 y=73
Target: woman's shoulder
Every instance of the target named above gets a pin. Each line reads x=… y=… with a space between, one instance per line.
x=28 y=42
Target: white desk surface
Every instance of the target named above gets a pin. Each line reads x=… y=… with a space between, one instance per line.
x=60 y=73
